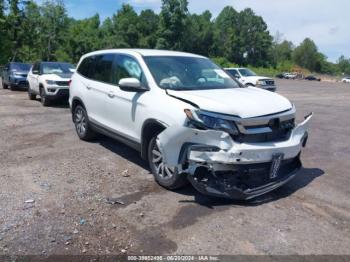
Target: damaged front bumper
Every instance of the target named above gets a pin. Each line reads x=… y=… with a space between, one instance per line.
x=219 y=166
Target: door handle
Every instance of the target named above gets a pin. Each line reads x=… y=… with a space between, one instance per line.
x=111 y=94
x=88 y=87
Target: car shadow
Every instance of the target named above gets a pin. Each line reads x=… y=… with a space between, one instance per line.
x=59 y=103
x=122 y=150
x=304 y=177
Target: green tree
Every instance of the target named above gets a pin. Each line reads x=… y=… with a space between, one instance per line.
x=172 y=24
x=225 y=33
x=30 y=49
x=253 y=40
x=54 y=22
x=125 y=33
x=199 y=34
x=306 y=55
x=282 y=51
x=147 y=27
x=83 y=36
x=344 y=65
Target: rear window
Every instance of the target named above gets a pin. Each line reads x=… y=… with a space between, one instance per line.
x=97 y=68
x=85 y=67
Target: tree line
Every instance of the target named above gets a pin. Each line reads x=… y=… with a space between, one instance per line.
x=31 y=32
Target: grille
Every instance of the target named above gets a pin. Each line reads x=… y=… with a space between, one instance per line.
x=279 y=132
x=62 y=83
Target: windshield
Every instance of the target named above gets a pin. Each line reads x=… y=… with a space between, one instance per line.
x=58 y=68
x=20 y=67
x=246 y=72
x=188 y=73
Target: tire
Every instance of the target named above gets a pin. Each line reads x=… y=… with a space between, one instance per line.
x=4 y=86
x=81 y=122
x=31 y=96
x=166 y=177
x=12 y=88
x=43 y=97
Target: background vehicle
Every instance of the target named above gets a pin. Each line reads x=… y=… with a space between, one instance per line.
x=290 y=76
x=312 y=78
x=248 y=78
x=49 y=80
x=281 y=75
x=14 y=75
x=346 y=80
x=189 y=119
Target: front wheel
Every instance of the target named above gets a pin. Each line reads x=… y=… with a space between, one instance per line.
x=43 y=98
x=167 y=177
x=31 y=96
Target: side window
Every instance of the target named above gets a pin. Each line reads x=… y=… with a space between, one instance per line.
x=234 y=73
x=36 y=68
x=85 y=67
x=103 y=68
x=127 y=67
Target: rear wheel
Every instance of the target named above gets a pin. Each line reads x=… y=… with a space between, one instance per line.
x=81 y=122
x=4 y=86
x=167 y=177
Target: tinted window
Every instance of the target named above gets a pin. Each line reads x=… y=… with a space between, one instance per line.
x=102 y=69
x=127 y=67
x=85 y=67
x=36 y=67
x=233 y=72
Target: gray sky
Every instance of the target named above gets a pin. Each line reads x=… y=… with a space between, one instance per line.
x=327 y=22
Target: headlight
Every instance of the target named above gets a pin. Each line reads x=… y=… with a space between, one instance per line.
x=202 y=120
x=50 y=82
x=260 y=83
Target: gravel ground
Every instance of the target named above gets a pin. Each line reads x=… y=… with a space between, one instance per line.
x=53 y=190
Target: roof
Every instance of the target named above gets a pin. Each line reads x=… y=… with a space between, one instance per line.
x=145 y=52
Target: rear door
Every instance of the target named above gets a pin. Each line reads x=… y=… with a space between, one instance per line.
x=97 y=78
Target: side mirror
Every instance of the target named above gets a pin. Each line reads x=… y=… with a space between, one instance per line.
x=237 y=76
x=131 y=85
x=36 y=72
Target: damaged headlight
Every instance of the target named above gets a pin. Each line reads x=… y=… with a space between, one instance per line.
x=203 y=120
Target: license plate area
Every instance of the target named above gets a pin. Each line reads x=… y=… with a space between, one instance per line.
x=275 y=165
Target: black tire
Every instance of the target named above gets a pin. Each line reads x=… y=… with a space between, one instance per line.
x=82 y=125
x=31 y=96
x=4 y=86
x=43 y=98
x=161 y=175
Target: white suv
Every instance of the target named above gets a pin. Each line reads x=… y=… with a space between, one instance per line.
x=248 y=78
x=49 y=80
x=189 y=119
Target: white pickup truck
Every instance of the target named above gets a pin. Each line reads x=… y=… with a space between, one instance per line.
x=248 y=78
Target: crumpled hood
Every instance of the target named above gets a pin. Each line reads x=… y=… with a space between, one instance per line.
x=242 y=102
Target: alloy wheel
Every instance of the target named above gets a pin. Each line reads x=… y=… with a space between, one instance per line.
x=157 y=160
x=80 y=121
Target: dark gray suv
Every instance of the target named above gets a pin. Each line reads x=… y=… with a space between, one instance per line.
x=14 y=75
